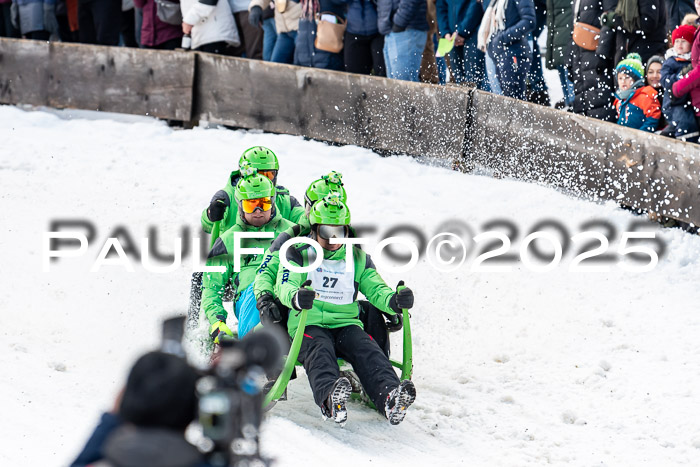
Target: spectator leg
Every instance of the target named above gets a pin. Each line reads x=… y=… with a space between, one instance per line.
x=171 y=44
x=38 y=35
x=492 y=75
x=428 y=65
x=107 y=15
x=138 y=21
x=358 y=53
x=566 y=86
x=377 y=47
x=403 y=53
x=6 y=28
x=86 y=24
x=269 y=38
x=251 y=37
x=473 y=59
x=128 y=28
x=457 y=62
x=284 y=47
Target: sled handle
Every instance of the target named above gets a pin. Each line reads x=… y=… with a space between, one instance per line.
x=214 y=233
x=407 y=365
x=280 y=385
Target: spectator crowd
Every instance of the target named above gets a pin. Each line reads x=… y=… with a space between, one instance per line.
x=634 y=62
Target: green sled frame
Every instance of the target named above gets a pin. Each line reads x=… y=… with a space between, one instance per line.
x=277 y=390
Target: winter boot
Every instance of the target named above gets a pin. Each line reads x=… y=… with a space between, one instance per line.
x=334 y=406
x=398 y=401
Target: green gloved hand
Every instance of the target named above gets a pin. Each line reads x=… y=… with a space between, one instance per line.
x=217 y=328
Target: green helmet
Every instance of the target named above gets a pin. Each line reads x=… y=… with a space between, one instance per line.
x=333 y=182
x=260 y=157
x=252 y=185
x=331 y=210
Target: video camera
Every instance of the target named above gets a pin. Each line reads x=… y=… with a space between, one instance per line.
x=230 y=394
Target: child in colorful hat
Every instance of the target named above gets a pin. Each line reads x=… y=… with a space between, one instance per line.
x=679 y=110
x=636 y=104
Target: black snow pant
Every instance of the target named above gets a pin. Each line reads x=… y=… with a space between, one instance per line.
x=320 y=350
x=99 y=21
x=364 y=54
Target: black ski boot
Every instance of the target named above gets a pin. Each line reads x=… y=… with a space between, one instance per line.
x=399 y=400
x=334 y=406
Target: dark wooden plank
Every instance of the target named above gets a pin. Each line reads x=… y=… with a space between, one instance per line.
x=586 y=157
x=121 y=79
x=23 y=79
x=382 y=114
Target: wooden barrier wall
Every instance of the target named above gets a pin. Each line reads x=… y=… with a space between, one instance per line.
x=582 y=156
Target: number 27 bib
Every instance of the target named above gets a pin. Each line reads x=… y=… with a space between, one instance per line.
x=332 y=283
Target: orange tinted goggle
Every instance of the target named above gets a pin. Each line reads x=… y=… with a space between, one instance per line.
x=271 y=174
x=250 y=205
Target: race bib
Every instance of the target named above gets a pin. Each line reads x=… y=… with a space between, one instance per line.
x=332 y=283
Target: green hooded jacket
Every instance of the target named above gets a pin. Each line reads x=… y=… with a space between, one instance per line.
x=266 y=278
x=221 y=254
x=330 y=315
x=287 y=206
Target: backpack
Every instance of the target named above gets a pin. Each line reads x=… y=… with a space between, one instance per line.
x=168 y=12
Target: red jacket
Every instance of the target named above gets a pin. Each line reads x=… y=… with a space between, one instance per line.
x=691 y=82
x=154 y=31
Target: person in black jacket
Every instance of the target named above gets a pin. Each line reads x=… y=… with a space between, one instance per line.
x=676 y=11
x=148 y=423
x=591 y=71
x=643 y=32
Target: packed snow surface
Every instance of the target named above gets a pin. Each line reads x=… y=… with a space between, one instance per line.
x=512 y=368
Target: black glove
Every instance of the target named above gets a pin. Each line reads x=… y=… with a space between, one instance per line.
x=218 y=205
x=269 y=312
x=255 y=16
x=396 y=28
x=403 y=299
x=393 y=323
x=304 y=298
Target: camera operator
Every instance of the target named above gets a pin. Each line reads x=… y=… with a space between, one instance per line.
x=163 y=395
x=148 y=422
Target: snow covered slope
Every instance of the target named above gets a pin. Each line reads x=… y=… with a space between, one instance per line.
x=511 y=368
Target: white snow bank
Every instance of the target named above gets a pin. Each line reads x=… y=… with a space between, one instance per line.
x=511 y=369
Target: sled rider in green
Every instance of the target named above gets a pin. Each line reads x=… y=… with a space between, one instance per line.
x=333 y=329
x=255 y=201
x=267 y=274
x=220 y=209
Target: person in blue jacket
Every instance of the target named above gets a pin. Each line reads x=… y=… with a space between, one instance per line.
x=405 y=28
x=509 y=45
x=306 y=53
x=364 y=46
x=459 y=20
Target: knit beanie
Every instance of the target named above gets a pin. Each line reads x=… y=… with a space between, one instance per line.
x=654 y=59
x=632 y=66
x=686 y=32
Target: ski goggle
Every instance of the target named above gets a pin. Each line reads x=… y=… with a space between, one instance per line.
x=330 y=231
x=250 y=205
x=271 y=174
